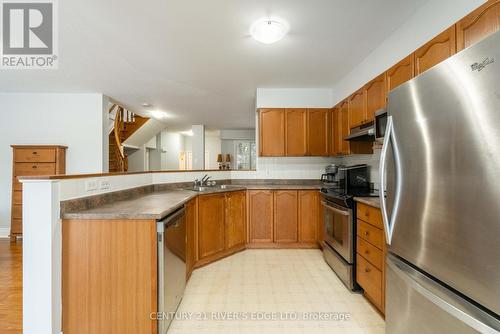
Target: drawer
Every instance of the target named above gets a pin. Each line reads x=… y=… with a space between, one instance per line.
x=370 y=279
x=371 y=253
x=16 y=226
x=369 y=214
x=35 y=155
x=17 y=212
x=16 y=185
x=28 y=168
x=371 y=234
x=17 y=197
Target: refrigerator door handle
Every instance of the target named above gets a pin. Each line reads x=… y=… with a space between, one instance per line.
x=444 y=298
x=390 y=137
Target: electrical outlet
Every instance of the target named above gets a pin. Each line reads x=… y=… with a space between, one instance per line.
x=91 y=185
x=104 y=184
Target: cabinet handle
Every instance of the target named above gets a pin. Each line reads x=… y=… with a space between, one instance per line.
x=367 y=252
x=367 y=270
x=34 y=166
x=367 y=233
x=35 y=152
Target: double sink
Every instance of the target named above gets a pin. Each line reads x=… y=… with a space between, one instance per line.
x=211 y=188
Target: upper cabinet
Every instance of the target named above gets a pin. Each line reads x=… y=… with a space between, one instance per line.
x=357 y=109
x=317 y=132
x=400 y=73
x=479 y=24
x=376 y=96
x=344 y=128
x=272 y=132
x=336 y=138
x=437 y=50
x=296 y=132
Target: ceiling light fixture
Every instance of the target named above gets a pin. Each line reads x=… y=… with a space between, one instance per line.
x=269 y=30
x=147 y=105
x=158 y=114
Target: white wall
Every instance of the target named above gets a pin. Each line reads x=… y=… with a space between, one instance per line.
x=213 y=147
x=74 y=120
x=173 y=144
x=428 y=21
x=294 y=98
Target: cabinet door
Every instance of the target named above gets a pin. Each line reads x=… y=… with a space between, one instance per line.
x=479 y=24
x=376 y=96
x=235 y=219
x=344 y=119
x=260 y=214
x=191 y=235
x=357 y=109
x=296 y=132
x=336 y=146
x=210 y=225
x=400 y=73
x=317 y=132
x=285 y=216
x=308 y=215
x=437 y=50
x=272 y=132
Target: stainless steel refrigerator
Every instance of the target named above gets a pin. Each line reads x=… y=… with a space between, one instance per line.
x=441 y=166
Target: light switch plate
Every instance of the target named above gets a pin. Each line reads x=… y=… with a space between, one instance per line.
x=91 y=185
x=104 y=184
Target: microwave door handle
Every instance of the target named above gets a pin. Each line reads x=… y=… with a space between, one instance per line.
x=390 y=137
x=340 y=212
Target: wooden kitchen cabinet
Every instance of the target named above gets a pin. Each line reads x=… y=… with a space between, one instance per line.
x=400 y=73
x=272 y=132
x=296 y=132
x=479 y=24
x=344 y=119
x=336 y=136
x=308 y=215
x=191 y=236
x=317 y=132
x=260 y=216
x=211 y=225
x=435 y=51
x=371 y=251
x=376 y=96
x=235 y=218
x=357 y=109
x=285 y=216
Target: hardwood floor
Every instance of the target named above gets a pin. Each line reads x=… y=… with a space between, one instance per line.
x=11 y=290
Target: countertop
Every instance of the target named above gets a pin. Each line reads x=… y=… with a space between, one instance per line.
x=371 y=201
x=157 y=205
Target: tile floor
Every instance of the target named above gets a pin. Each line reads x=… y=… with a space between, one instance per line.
x=285 y=284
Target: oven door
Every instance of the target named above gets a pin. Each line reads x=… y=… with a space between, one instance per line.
x=339 y=229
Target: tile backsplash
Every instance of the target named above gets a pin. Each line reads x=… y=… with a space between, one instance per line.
x=292 y=167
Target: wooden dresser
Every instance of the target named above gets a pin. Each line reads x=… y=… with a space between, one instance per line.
x=370 y=257
x=27 y=161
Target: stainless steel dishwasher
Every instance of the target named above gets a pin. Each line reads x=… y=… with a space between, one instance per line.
x=171 y=266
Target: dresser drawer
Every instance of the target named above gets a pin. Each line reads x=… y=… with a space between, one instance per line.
x=371 y=234
x=17 y=212
x=16 y=226
x=35 y=155
x=371 y=253
x=28 y=168
x=370 y=279
x=369 y=214
x=17 y=197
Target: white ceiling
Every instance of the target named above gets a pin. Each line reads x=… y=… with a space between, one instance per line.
x=195 y=59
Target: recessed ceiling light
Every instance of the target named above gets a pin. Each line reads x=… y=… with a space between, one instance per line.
x=269 y=30
x=158 y=114
x=146 y=105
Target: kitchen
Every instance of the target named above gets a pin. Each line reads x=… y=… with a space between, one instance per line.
x=373 y=214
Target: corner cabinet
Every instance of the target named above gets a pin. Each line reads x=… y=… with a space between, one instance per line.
x=221 y=225
x=32 y=161
x=479 y=24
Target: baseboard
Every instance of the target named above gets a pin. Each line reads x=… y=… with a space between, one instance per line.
x=4 y=232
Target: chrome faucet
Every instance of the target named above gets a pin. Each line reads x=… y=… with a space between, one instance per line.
x=205 y=179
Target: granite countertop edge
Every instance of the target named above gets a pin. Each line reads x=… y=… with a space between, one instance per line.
x=106 y=212
x=371 y=201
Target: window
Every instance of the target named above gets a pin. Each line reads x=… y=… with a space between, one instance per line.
x=245 y=155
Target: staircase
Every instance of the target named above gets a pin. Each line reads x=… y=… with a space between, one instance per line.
x=125 y=124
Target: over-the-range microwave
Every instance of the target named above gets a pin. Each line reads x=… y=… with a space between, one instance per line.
x=380 y=124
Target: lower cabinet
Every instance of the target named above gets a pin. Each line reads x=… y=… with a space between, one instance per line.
x=221 y=225
x=283 y=218
x=191 y=249
x=370 y=257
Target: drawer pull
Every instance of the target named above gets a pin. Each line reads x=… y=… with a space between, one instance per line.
x=34 y=166
x=35 y=152
x=367 y=233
